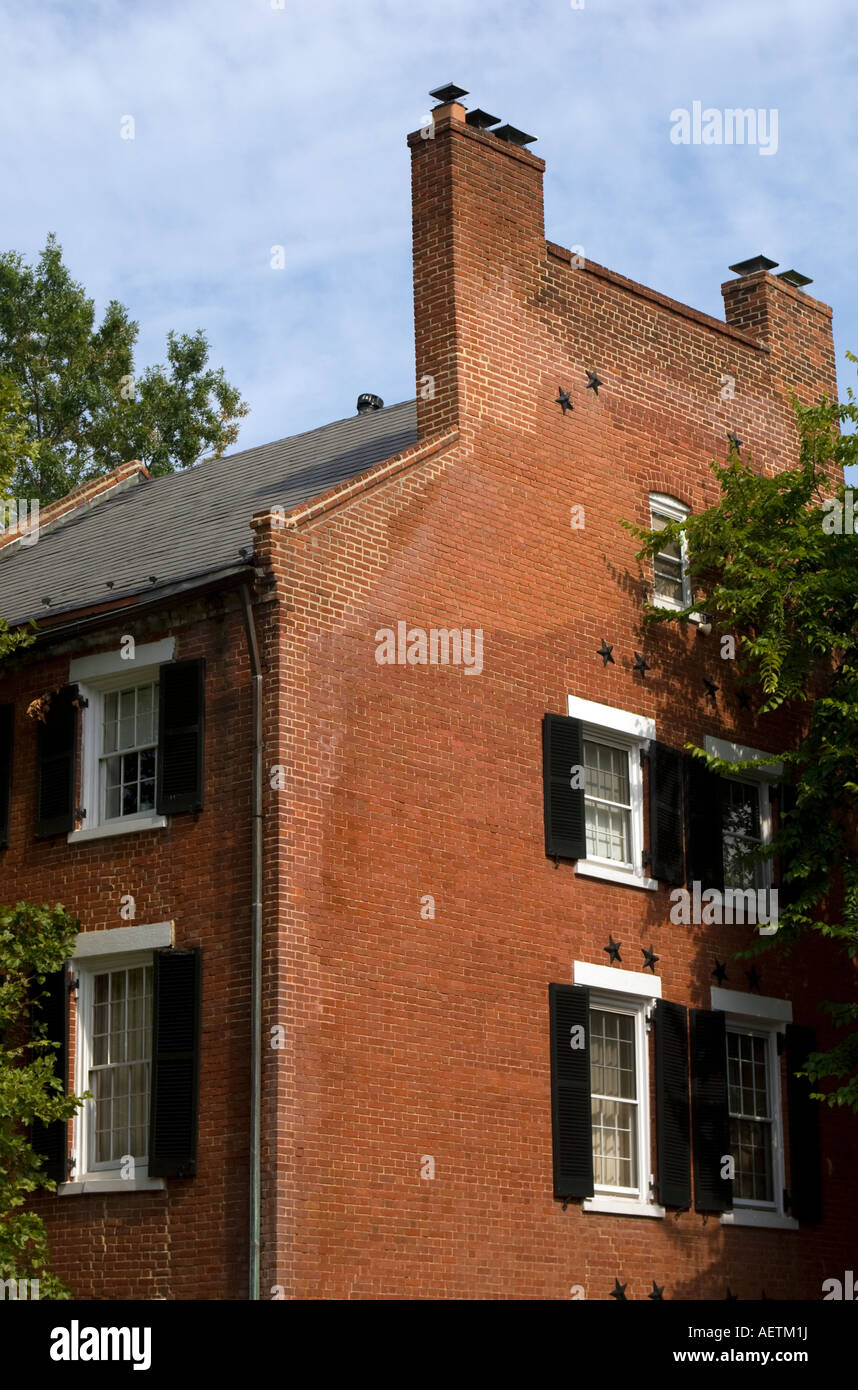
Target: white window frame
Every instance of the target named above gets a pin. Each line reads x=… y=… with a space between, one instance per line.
x=632 y=733
x=97 y=676
x=634 y=994
x=765 y=1017
x=671 y=509
x=95 y=953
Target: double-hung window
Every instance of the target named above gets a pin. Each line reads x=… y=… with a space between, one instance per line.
x=115 y=1036
x=613 y=741
x=619 y=1004
x=671 y=588
x=119 y=773
x=755 y=1080
x=750 y=1088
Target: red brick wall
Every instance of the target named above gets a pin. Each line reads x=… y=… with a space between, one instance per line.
x=407 y=1037
x=189 y=1241
x=411 y=1037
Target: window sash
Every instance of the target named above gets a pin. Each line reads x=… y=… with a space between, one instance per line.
x=619 y=819
x=112 y=750
x=628 y=1156
x=670 y=571
x=736 y=841
x=745 y=1125
x=118 y=1074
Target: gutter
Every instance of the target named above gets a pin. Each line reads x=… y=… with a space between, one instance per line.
x=256 y=953
x=145 y=599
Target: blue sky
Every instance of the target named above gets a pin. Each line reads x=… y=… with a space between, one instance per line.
x=258 y=126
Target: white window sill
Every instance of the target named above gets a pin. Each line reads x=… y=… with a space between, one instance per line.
x=586 y=868
x=618 y=1206
x=90 y=1183
x=127 y=826
x=748 y=1216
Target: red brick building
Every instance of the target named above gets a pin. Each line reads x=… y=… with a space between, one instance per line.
x=331 y=777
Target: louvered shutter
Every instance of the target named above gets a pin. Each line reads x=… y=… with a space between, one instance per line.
x=786 y=803
x=704 y=853
x=710 y=1115
x=51 y=1140
x=173 y=1112
x=57 y=760
x=563 y=750
x=181 y=730
x=805 y=1161
x=667 y=860
x=7 y=717
x=572 y=1127
x=672 y=1109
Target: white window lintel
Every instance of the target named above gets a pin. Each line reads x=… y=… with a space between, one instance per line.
x=605 y=977
x=764 y=1008
x=607 y=717
x=770 y=768
x=119 y=940
x=112 y=663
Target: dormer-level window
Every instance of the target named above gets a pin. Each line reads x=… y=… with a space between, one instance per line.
x=670 y=563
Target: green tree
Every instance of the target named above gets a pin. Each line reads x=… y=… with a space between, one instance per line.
x=771 y=568
x=85 y=407
x=33 y=942
x=16 y=450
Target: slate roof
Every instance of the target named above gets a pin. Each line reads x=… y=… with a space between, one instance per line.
x=190 y=523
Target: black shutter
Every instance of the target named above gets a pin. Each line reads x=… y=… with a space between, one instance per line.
x=51 y=1140
x=667 y=861
x=704 y=853
x=673 y=1123
x=710 y=1115
x=563 y=749
x=805 y=1163
x=571 y=1122
x=58 y=764
x=7 y=719
x=181 y=727
x=787 y=892
x=174 y=1107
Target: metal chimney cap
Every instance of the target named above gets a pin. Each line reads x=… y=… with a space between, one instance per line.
x=513 y=136
x=367 y=402
x=794 y=277
x=760 y=262
x=481 y=119
x=449 y=93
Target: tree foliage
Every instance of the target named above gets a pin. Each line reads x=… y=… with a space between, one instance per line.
x=768 y=567
x=85 y=408
x=34 y=941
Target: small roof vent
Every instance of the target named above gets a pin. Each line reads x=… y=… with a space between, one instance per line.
x=513 y=136
x=367 y=402
x=481 y=119
x=449 y=93
x=793 y=277
x=756 y=263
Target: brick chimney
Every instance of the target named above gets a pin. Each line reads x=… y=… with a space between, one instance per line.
x=479 y=254
x=796 y=329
